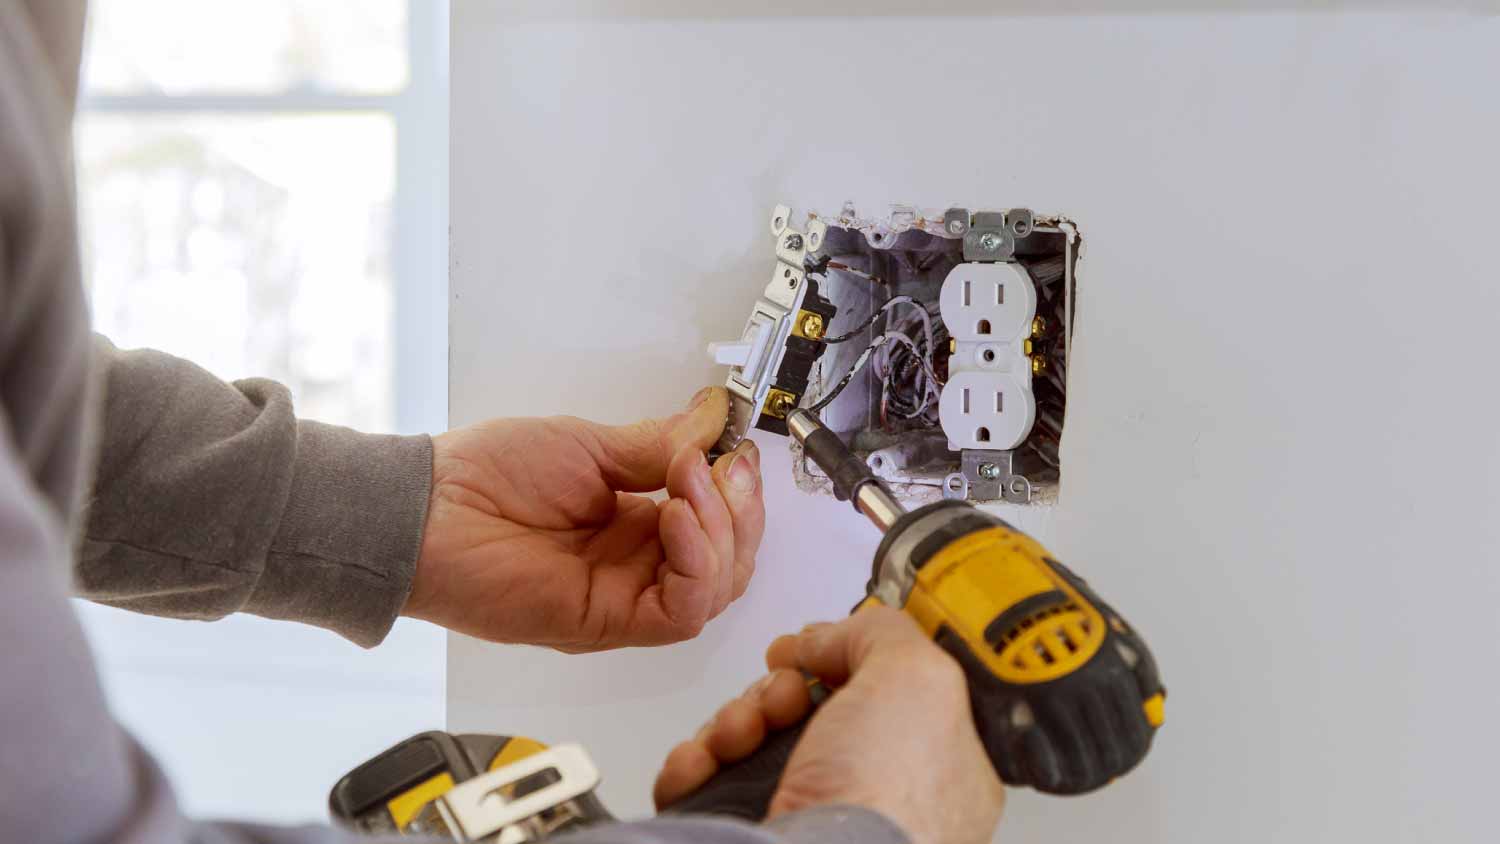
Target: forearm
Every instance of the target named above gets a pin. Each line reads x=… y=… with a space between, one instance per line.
x=212 y=498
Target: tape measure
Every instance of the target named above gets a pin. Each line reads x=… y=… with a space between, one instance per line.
x=472 y=787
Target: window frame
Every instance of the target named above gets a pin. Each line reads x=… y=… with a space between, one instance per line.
x=419 y=113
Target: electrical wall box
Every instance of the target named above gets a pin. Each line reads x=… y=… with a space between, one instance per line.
x=934 y=342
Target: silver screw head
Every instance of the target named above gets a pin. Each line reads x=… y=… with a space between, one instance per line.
x=989 y=471
x=956 y=226
x=794 y=241
x=990 y=241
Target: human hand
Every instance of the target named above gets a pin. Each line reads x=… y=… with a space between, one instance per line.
x=895 y=736
x=533 y=534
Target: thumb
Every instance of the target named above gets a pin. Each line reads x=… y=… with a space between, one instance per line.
x=635 y=457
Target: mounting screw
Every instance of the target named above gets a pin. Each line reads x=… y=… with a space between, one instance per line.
x=812 y=326
x=794 y=241
x=990 y=241
x=989 y=471
x=956 y=226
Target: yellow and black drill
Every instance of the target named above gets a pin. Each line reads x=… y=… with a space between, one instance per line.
x=1064 y=692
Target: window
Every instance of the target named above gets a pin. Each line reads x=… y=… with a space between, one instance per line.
x=262 y=188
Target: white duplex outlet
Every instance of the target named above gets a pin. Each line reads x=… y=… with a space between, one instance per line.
x=988 y=402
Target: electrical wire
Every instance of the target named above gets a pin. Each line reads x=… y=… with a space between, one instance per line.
x=910 y=373
x=875 y=314
x=910 y=383
x=859 y=364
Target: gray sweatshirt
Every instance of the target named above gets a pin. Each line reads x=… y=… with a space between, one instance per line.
x=205 y=499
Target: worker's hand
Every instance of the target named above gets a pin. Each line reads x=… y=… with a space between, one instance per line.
x=533 y=536
x=895 y=736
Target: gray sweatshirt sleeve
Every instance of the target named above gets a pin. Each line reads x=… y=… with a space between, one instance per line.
x=213 y=498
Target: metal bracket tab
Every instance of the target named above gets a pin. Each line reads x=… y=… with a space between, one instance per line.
x=480 y=807
x=991 y=235
x=956 y=221
x=988 y=239
x=988 y=476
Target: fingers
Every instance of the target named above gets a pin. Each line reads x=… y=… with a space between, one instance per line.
x=711 y=526
x=636 y=458
x=736 y=731
x=835 y=652
x=782 y=653
x=685 y=770
x=777 y=701
x=690 y=479
x=737 y=476
x=687 y=581
x=704 y=553
x=784 y=700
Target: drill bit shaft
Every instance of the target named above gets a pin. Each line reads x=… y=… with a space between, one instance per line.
x=852 y=479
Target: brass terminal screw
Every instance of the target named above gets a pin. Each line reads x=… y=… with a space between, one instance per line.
x=812 y=326
x=1038 y=327
x=781 y=404
x=1038 y=365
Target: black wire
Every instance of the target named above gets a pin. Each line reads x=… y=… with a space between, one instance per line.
x=864 y=358
x=901 y=390
x=874 y=315
x=859 y=363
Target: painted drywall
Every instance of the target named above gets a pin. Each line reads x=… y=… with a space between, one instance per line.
x=1281 y=451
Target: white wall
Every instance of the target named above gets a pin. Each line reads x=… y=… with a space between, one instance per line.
x=1281 y=457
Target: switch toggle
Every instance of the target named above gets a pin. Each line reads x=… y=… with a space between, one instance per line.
x=729 y=354
x=749 y=353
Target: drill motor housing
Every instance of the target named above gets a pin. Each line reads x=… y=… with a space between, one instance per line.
x=1065 y=695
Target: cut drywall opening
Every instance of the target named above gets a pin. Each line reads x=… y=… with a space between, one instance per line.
x=976 y=410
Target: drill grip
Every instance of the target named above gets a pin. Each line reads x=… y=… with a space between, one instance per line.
x=744 y=789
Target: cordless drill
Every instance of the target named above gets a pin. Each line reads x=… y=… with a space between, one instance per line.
x=1064 y=692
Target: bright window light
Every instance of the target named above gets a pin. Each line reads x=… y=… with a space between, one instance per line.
x=252 y=245
x=231 y=46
